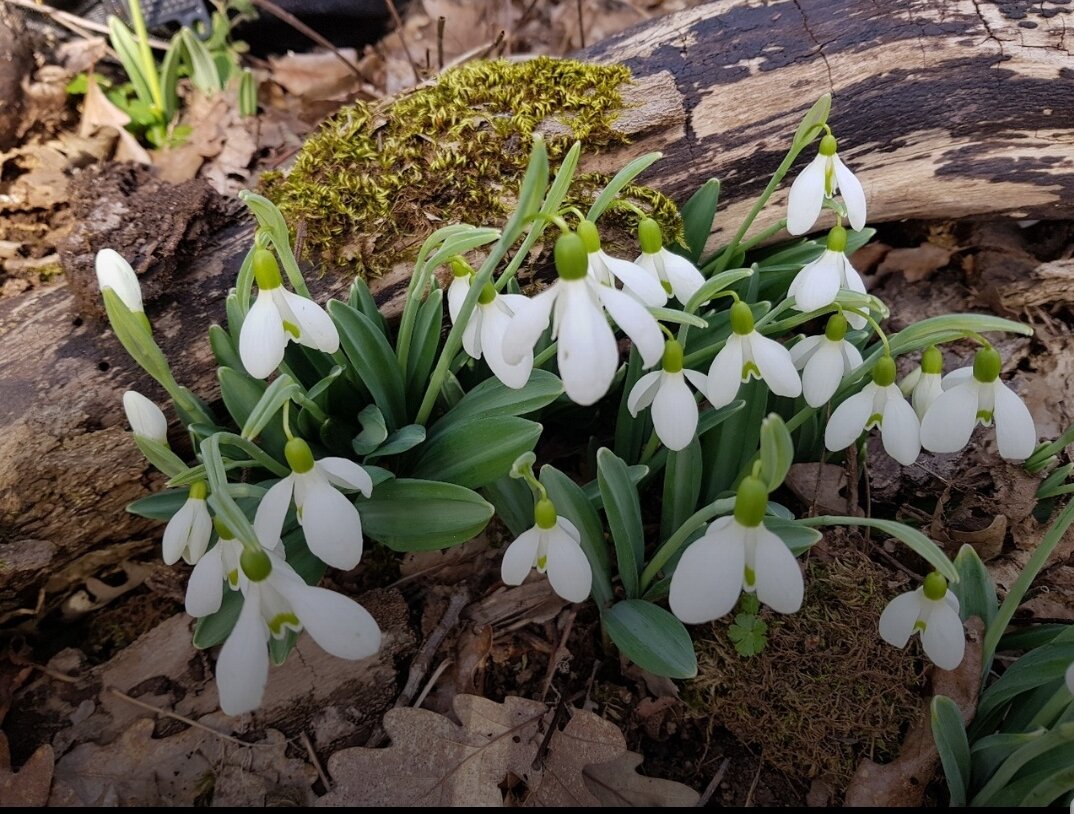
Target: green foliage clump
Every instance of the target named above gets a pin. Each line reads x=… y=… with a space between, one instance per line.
x=376 y=180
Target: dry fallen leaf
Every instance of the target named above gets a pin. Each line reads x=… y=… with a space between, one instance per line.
x=29 y=786
x=97 y=112
x=316 y=74
x=916 y=263
x=433 y=761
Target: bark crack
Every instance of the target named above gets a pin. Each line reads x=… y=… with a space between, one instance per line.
x=816 y=42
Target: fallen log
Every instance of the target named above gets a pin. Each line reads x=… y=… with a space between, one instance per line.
x=953 y=109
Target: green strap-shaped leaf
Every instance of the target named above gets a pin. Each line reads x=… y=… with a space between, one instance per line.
x=652 y=638
x=954 y=748
x=623 y=509
x=975 y=589
x=373 y=359
x=697 y=216
x=417 y=515
x=493 y=398
x=477 y=452
x=682 y=487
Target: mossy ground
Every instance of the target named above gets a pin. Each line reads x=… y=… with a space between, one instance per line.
x=826 y=691
x=376 y=180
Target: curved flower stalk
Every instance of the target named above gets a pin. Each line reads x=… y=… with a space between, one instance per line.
x=278 y=317
x=330 y=522
x=747 y=354
x=588 y=354
x=818 y=283
x=823 y=178
x=737 y=553
x=603 y=269
x=277 y=600
x=975 y=395
x=551 y=546
x=675 y=410
x=484 y=333
x=931 y=610
x=677 y=275
x=187 y=533
x=879 y=404
x=825 y=361
x=147 y=420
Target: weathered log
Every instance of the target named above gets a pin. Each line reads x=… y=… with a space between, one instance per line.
x=961 y=108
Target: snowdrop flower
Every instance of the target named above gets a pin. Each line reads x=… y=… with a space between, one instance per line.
x=461 y=275
x=879 y=404
x=330 y=521
x=485 y=330
x=933 y=610
x=825 y=360
x=553 y=546
x=674 y=409
x=588 y=354
x=677 y=275
x=146 y=419
x=924 y=384
x=747 y=355
x=277 y=600
x=975 y=395
x=116 y=273
x=822 y=178
x=278 y=317
x=819 y=282
x=603 y=269
x=187 y=533
x=737 y=553
x=219 y=566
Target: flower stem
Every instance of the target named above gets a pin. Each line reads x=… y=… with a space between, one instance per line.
x=149 y=65
x=676 y=540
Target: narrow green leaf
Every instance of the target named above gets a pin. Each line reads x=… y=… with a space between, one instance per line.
x=623 y=508
x=796 y=537
x=169 y=77
x=373 y=360
x=622 y=179
x=126 y=47
x=954 y=748
x=247 y=94
x=815 y=118
x=159 y=505
x=652 y=638
x=241 y=395
x=777 y=451
x=419 y=515
x=914 y=539
x=211 y=630
x=493 y=398
x=424 y=344
x=630 y=432
x=374 y=430
x=361 y=299
x=203 y=71
x=697 y=216
x=279 y=392
x=714 y=285
x=513 y=502
x=400 y=441
x=677 y=317
x=975 y=589
x=227 y=355
x=682 y=487
x=476 y=452
x=1000 y=780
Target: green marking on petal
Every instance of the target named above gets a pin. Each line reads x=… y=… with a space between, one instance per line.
x=292 y=329
x=985 y=417
x=750 y=369
x=875 y=420
x=920 y=625
x=751 y=577
x=542 y=563
x=279 y=624
x=666 y=286
x=233 y=578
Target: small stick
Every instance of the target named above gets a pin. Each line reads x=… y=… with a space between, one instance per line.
x=581 y=23
x=756 y=779
x=181 y=718
x=559 y=652
x=308 y=32
x=316 y=763
x=399 y=30
x=440 y=22
x=439 y=671
x=717 y=778
x=420 y=666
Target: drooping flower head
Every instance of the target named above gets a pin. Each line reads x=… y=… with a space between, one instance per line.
x=219 y=566
x=825 y=360
x=677 y=275
x=818 y=283
x=932 y=611
x=329 y=520
x=879 y=404
x=587 y=352
x=823 y=178
x=737 y=553
x=675 y=411
x=115 y=273
x=187 y=533
x=975 y=395
x=485 y=330
x=146 y=418
x=278 y=317
x=551 y=546
x=927 y=385
x=747 y=354
x=603 y=269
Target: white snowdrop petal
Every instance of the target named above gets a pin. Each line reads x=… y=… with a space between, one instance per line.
x=271 y=512
x=636 y=322
x=242 y=669
x=822 y=374
x=803 y=351
x=643 y=392
x=852 y=193
x=943 y=638
x=456 y=293
x=926 y=391
x=568 y=571
x=900 y=430
x=848 y=420
x=698 y=379
x=951 y=600
x=683 y=275
x=346 y=474
x=113 y=271
x=644 y=286
x=569 y=527
x=145 y=417
x=778 y=578
x=774 y=362
x=899 y=617
x=520 y=557
x=471 y=334
x=262 y=338
x=851 y=356
x=177 y=533
x=950 y=419
x=332 y=526
x=1016 y=435
x=956 y=377
x=725 y=373
x=818 y=283
x=205 y=588
x=708 y=579
x=316 y=329
x=201 y=531
x=674 y=412
x=588 y=355
x=494 y=328
x=528 y=324
x=806 y=197
x=337 y=623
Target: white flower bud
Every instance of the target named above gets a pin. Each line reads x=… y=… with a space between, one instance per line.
x=116 y=273
x=145 y=417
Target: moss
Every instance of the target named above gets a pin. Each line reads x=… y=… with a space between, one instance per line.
x=376 y=180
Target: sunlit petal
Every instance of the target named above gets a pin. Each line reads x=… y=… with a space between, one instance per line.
x=316 y=329
x=725 y=373
x=262 y=338
x=332 y=526
x=205 y=589
x=822 y=374
x=242 y=669
x=852 y=193
x=806 y=197
x=900 y=430
x=708 y=579
x=778 y=577
x=588 y=355
x=848 y=419
x=950 y=419
x=528 y=324
x=337 y=623
x=774 y=362
x=568 y=571
x=346 y=474
x=943 y=638
x=643 y=392
x=674 y=412
x=899 y=617
x=272 y=510
x=1016 y=433
x=636 y=322
x=520 y=557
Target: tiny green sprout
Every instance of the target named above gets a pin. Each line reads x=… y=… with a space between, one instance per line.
x=751 y=501
x=266 y=270
x=932 y=360
x=299 y=456
x=884 y=373
x=587 y=231
x=741 y=318
x=986 y=365
x=672 y=362
x=649 y=236
x=256 y=564
x=837 y=238
x=935 y=586
x=836 y=329
x=828 y=145
x=544 y=514
x=571 y=258
x=199 y=490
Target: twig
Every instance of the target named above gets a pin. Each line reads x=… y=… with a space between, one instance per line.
x=581 y=23
x=717 y=778
x=756 y=779
x=181 y=718
x=559 y=652
x=439 y=671
x=75 y=23
x=420 y=666
x=52 y=673
x=305 y=30
x=316 y=763
x=399 y=30
x=441 y=20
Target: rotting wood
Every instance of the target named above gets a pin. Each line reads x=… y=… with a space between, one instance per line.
x=954 y=109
